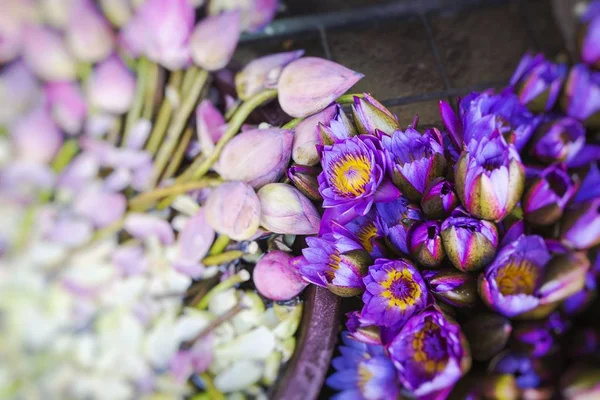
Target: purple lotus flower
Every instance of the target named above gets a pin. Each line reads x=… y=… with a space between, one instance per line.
x=425 y=244
x=394 y=291
x=489 y=178
x=469 y=243
x=363 y=371
x=453 y=287
x=439 y=199
x=370 y=116
x=581 y=96
x=547 y=196
x=538 y=81
x=534 y=338
x=337 y=128
x=360 y=231
x=510 y=284
x=580 y=227
x=430 y=354
x=324 y=264
x=394 y=220
x=353 y=176
x=589 y=48
x=558 y=140
x=414 y=160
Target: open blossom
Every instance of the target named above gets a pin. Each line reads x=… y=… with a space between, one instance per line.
x=363 y=371
x=394 y=290
x=394 y=220
x=430 y=354
x=489 y=177
x=353 y=175
x=324 y=264
x=414 y=160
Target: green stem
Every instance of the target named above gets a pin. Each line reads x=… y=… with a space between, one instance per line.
x=177 y=158
x=188 y=78
x=150 y=91
x=145 y=200
x=293 y=123
x=211 y=390
x=115 y=132
x=349 y=98
x=136 y=108
x=164 y=115
x=222 y=258
x=176 y=128
x=241 y=276
x=66 y=153
x=219 y=245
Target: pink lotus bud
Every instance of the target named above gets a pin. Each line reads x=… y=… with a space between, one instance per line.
x=132 y=36
x=111 y=86
x=263 y=73
x=210 y=126
x=20 y=91
x=214 y=40
x=310 y=84
x=101 y=208
x=144 y=226
x=255 y=14
x=285 y=210
x=257 y=157
x=166 y=26
x=56 y=12
x=47 y=55
x=118 y=12
x=36 y=137
x=14 y=16
x=306 y=137
x=275 y=277
x=193 y=243
x=88 y=34
x=233 y=209
x=67 y=105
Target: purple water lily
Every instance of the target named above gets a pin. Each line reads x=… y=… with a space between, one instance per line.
x=581 y=96
x=414 y=160
x=394 y=291
x=558 y=140
x=353 y=176
x=363 y=371
x=394 y=220
x=430 y=354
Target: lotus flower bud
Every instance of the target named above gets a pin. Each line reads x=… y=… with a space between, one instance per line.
x=214 y=40
x=415 y=160
x=67 y=105
x=305 y=180
x=534 y=338
x=439 y=199
x=285 y=210
x=306 y=136
x=15 y=16
x=580 y=227
x=233 y=209
x=589 y=31
x=453 y=287
x=370 y=115
x=470 y=243
x=20 y=91
x=47 y=55
x=426 y=244
x=88 y=34
x=36 y=137
x=337 y=129
x=310 y=84
x=254 y=14
x=326 y=263
x=580 y=382
x=263 y=73
x=362 y=331
x=547 y=196
x=558 y=140
x=394 y=220
x=538 y=82
x=487 y=334
x=193 y=244
x=580 y=301
x=581 y=97
x=257 y=157
x=489 y=178
x=111 y=86
x=144 y=226
x=210 y=125
x=275 y=277
x=564 y=276
x=118 y=12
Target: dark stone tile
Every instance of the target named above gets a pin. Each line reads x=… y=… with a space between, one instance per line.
x=427 y=110
x=310 y=42
x=481 y=45
x=544 y=28
x=395 y=57
x=304 y=7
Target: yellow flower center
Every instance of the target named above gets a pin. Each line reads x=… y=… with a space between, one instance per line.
x=400 y=289
x=334 y=264
x=350 y=174
x=366 y=234
x=364 y=376
x=517 y=278
x=433 y=358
